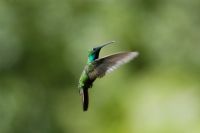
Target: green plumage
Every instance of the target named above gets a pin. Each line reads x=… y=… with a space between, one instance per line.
x=84 y=81
x=97 y=68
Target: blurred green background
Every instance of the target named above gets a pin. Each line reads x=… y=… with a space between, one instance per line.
x=43 y=49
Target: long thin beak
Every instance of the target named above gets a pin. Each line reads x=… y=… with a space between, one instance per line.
x=99 y=47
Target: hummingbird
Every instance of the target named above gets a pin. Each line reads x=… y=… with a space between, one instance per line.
x=98 y=67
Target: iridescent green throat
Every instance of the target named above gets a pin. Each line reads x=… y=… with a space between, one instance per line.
x=91 y=58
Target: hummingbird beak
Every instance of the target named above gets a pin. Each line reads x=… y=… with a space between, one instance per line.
x=99 y=47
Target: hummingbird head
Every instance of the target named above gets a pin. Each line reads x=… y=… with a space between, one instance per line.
x=93 y=53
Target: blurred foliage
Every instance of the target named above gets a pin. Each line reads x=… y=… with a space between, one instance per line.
x=43 y=49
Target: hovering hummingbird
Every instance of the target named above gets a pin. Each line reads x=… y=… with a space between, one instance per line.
x=97 y=68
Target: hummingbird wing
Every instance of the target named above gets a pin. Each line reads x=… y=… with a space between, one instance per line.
x=109 y=63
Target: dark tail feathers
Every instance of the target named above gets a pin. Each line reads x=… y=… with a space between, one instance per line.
x=85 y=98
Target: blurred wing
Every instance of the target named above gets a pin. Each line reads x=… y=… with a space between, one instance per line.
x=110 y=63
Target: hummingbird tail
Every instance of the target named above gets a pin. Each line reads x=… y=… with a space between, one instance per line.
x=85 y=98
